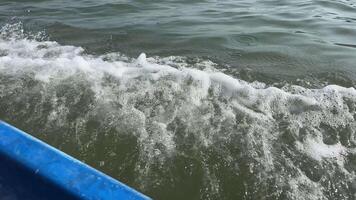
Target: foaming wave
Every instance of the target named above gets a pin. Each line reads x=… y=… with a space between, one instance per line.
x=178 y=121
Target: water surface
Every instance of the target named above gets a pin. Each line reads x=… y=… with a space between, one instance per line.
x=190 y=99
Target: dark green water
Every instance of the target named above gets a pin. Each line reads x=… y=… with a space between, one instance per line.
x=231 y=100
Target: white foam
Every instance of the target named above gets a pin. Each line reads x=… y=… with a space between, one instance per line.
x=208 y=105
x=318 y=150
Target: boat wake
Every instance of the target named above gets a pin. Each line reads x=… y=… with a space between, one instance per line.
x=168 y=124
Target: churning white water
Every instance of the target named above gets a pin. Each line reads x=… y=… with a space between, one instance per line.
x=267 y=142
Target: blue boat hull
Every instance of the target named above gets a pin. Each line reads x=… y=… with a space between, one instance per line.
x=17 y=183
x=31 y=169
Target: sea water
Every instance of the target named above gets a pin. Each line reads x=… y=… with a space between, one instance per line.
x=190 y=99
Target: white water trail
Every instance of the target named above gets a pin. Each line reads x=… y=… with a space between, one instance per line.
x=166 y=102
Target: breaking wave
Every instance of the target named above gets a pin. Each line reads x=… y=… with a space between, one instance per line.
x=171 y=124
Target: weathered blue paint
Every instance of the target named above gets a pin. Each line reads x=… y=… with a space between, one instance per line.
x=31 y=169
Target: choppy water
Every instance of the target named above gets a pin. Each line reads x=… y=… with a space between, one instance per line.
x=232 y=100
